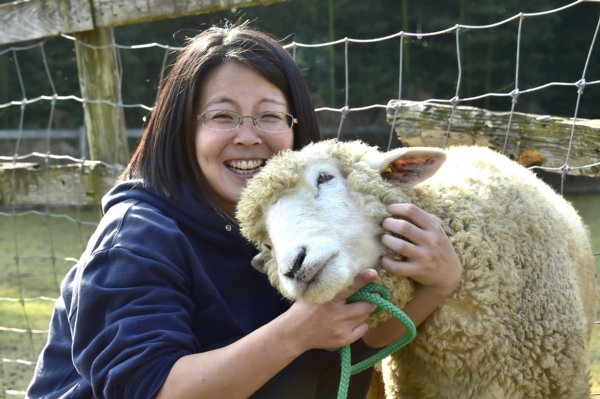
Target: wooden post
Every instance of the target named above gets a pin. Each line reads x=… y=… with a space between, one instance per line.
x=100 y=88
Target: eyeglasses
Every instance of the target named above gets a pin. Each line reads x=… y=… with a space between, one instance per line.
x=272 y=122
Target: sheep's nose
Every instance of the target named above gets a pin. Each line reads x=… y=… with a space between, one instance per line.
x=297 y=264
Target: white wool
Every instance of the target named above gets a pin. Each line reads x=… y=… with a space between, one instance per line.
x=519 y=323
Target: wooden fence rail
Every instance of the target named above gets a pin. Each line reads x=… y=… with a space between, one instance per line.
x=532 y=140
x=35 y=19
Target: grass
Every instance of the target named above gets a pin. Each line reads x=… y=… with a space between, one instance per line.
x=36 y=251
x=589 y=209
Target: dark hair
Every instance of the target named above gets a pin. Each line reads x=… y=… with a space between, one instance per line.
x=166 y=152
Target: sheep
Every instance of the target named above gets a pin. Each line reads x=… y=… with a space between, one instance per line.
x=519 y=323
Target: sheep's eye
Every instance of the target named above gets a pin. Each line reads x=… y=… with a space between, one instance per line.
x=323 y=177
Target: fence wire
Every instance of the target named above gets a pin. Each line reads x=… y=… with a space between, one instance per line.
x=42 y=262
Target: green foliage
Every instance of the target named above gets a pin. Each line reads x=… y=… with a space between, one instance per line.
x=553 y=47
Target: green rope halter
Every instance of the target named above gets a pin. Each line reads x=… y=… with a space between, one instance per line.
x=368 y=293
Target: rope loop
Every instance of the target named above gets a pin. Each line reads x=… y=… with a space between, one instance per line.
x=378 y=295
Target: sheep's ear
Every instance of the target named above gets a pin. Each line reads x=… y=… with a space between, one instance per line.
x=408 y=165
x=260 y=260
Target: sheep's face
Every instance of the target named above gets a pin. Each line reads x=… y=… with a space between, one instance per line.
x=315 y=214
x=320 y=236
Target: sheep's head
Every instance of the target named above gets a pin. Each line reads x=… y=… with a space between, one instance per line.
x=315 y=214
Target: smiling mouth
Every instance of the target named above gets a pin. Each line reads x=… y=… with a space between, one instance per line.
x=245 y=167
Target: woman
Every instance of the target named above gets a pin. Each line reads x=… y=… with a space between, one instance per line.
x=164 y=303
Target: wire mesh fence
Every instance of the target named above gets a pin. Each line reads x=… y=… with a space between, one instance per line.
x=46 y=221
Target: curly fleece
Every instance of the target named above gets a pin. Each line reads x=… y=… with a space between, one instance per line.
x=518 y=325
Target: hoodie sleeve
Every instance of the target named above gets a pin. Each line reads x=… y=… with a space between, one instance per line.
x=130 y=314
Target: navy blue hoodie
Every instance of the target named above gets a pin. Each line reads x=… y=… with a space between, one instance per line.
x=160 y=280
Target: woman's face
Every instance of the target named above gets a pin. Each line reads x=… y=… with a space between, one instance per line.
x=229 y=158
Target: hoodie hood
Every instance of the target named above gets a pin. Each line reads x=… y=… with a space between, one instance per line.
x=190 y=212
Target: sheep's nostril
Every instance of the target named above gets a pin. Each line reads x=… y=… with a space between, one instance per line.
x=297 y=263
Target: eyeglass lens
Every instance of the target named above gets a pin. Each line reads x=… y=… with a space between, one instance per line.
x=229 y=120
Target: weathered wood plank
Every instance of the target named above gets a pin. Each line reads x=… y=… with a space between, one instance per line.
x=538 y=140
x=99 y=81
x=29 y=184
x=35 y=19
x=125 y=12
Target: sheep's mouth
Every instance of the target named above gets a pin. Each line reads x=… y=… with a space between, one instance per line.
x=307 y=280
x=314 y=279
x=303 y=286
x=245 y=167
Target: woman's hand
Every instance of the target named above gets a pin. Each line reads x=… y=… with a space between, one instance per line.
x=333 y=324
x=251 y=360
x=429 y=258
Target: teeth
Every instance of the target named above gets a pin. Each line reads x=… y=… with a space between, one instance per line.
x=246 y=165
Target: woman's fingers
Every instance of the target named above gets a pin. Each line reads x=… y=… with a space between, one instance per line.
x=403 y=228
x=338 y=323
x=415 y=215
x=360 y=280
x=411 y=231
x=424 y=252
